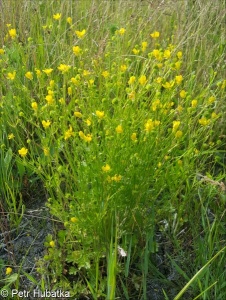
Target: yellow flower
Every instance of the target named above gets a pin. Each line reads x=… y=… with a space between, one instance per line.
x=157 y=54
x=168 y=85
x=68 y=133
x=74 y=220
x=91 y=82
x=136 y=51
x=214 y=115
x=211 y=100
x=86 y=73
x=11 y=76
x=178 y=134
x=80 y=34
x=46 y=151
x=100 y=114
x=2 y=51
x=158 y=79
x=69 y=20
x=8 y=271
x=179 y=54
x=29 y=75
x=105 y=74
x=52 y=244
x=11 y=136
x=77 y=50
x=134 y=136
x=49 y=99
x=78 y=114
x=69 y=90
x=23 y=152
x=194 y=103
x=149 y=125
x=183 y=94
x=34 y=105
x=142 y=80
x=62 y=101
x=88 y=122
x=46 y=124
x=144 y=46
x=38 y=73
x=132 y=80
x=106 y=168
x=123 y=68
x=155 y=34
x=177 y=65
x=167 y=54
x=87 y=138
x=57 y=16
x=12 y=33
x=121 y=31
x=204 y=121
x=176 y=124
x=47 y=71
x=116 y=178
x=178 y=79
x=119 y=129
x=64 y=68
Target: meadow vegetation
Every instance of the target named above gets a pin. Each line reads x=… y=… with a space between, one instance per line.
x=114 y=111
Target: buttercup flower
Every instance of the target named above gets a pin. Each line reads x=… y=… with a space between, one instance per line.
x=11 y=76
x=49 y=99
x=119 y=129
x=142 y=80
x=134 y=136
x=78 y=114
x=80 y=34
x=194 y=103
x=183 y=94
x=57 y=16
x=204 y=121
x=46 y=151
x=2 y=51
x=68 y=133
x=23 y=152
x=155 y=34
x=144 y=46
x=178 y=134
x=46 y=124
x=106 y=168
x=12 y=33
x=87 y=138
x=29 y=75
x=34 y=105
x=69 y=20
x=167 y=54
x=121 y=31
x=136 y=51
x=11 y=136
x=132 y=80
x=77 y=50
x=8 y=271
x=52 y=244
x=47 y=71
x=100 y=114
x=176 y=124
x=64 y=68
x=105 y=74
x=178 y=79
x=179 y=54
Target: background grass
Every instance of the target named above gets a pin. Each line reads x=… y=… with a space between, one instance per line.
x=159 y=196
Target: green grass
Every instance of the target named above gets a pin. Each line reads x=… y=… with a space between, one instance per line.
x=127 y=135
